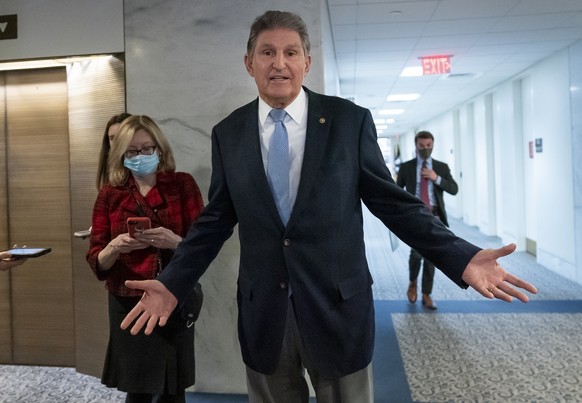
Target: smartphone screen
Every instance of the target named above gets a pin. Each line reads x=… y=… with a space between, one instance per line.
x=28 y=252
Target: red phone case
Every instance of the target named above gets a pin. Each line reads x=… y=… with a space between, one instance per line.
x=137 y=224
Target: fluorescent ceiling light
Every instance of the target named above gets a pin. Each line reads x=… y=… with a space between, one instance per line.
x=402 y=97
x=415 y=71
x=381 y=127
x=390 y=111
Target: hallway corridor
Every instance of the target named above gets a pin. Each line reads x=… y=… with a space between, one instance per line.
x=469 y=350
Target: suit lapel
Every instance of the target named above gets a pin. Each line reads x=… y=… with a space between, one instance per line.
x=412 y=176
x=318 y=126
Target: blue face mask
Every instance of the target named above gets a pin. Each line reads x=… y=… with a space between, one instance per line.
x=142 y=165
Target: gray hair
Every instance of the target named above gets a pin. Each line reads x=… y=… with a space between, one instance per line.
x=278 y=19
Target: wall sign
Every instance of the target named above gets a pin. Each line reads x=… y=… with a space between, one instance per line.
x=539 y=145
x=8 y=27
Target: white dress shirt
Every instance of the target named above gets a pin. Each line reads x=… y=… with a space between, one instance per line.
x=296 y=124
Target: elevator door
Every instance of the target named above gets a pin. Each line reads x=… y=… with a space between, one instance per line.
x=37 y=313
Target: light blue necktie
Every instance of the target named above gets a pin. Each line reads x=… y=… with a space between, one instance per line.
x=278 y=165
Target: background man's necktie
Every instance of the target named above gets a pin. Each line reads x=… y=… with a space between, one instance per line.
x=424 y=187
x=278 y=165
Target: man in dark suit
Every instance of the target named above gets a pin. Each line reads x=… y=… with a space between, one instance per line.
x=427 y=179
x=304 y=289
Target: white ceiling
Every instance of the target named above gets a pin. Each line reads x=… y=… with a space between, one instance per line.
x=490 y=41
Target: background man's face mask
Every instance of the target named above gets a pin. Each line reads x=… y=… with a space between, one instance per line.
x=424 y=153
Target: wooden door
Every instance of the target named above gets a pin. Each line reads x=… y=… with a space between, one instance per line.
x=38 y=204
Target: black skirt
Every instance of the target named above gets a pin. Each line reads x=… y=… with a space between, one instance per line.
x=161 y=363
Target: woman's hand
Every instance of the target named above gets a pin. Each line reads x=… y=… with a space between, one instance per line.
x=8 y=262
x=122 y=243
x=159 y=237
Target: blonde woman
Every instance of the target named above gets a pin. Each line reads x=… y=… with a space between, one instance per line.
x=142 y=182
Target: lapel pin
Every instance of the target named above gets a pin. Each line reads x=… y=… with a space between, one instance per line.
x=322 y=120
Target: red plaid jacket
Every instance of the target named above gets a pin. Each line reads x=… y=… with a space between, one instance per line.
x=174 y=203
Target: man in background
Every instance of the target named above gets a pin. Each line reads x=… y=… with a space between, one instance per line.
x=427 y=179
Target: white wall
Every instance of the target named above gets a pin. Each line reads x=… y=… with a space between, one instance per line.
x=468 y=174
x=530 y=182
x=508 y=161
x=551 y=121
x=485 y=167
x=575 y=55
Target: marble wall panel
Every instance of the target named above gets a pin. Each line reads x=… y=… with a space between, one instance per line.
x=184 y=66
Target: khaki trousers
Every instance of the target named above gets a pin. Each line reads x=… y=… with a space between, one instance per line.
x=288 y=383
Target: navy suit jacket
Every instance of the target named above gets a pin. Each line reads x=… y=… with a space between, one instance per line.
x=320 y=254
x=407 y=179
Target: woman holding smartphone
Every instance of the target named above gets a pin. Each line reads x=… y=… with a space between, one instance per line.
x=142 y=182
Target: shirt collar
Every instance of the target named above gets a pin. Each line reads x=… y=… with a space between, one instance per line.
x=296 y=109
x=428 y=160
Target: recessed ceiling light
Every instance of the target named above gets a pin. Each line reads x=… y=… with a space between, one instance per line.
x=414 y=71
x=390 y=111
x=402 y=97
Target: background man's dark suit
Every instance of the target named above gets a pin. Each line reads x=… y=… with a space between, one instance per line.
x=320 y=253
x=407 y=179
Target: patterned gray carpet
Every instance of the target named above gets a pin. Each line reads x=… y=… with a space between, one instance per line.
x=492 y=357
x=28 y=384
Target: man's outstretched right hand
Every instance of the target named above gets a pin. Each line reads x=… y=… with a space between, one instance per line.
x=154 y=308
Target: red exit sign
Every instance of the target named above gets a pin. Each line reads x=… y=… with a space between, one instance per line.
x=436 y=65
